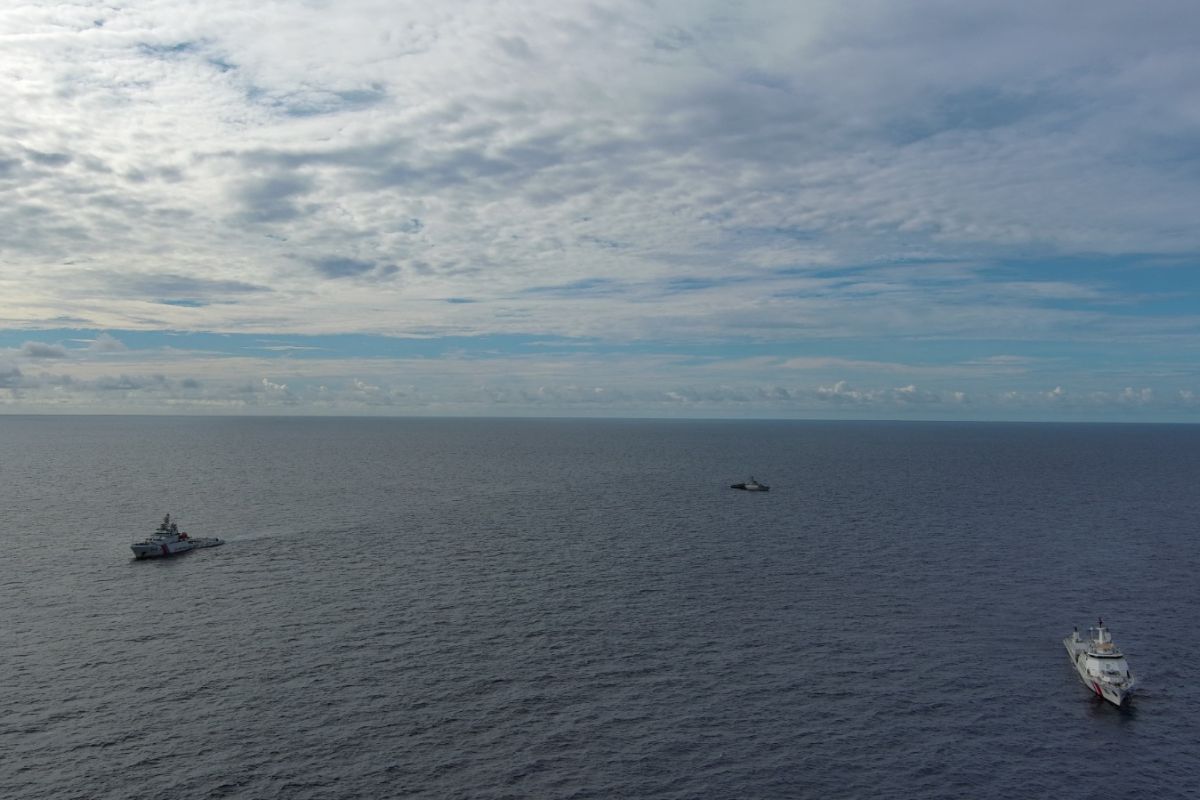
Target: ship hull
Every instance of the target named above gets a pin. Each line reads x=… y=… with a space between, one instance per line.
x=160 y=550
x=164 y=549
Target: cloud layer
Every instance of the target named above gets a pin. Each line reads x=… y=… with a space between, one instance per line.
x=891 y=198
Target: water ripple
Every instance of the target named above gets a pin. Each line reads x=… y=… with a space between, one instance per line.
x=885 y=622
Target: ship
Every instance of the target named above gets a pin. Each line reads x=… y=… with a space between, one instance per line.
x=1101 y=665
x=168 y=540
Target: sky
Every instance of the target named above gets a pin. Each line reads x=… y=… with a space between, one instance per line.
x=886 y=209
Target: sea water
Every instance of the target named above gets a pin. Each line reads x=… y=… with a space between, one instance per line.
x=585 y=609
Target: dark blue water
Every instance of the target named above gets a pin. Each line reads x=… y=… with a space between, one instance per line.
x=487 y=609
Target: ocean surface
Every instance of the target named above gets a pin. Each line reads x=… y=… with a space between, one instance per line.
x=585 y=609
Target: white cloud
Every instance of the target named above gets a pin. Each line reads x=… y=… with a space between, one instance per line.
x=42 y=350
x=677 y=171
x=107 y=343
x=562 y=384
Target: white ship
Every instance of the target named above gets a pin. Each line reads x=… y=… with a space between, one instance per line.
x=168 y=540
x=1101 y=666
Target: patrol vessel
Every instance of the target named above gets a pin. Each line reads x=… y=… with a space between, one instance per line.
x=168 y=540
x=1101 y=665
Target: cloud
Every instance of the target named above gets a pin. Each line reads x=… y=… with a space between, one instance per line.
x=273 y=393
x=546 y=384
x=272 y=198
x=48 y=159
x=340 y=267
x=41 y=350
x=130 y=383
x=107 y=343
x=167 y=284
x=892 y=398
x=838 y=187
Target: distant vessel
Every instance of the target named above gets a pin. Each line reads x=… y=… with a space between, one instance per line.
x=1101 y=666
x=751 y=486
x=168 y=540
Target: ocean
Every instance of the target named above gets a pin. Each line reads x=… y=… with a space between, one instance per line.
x=438 y=608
